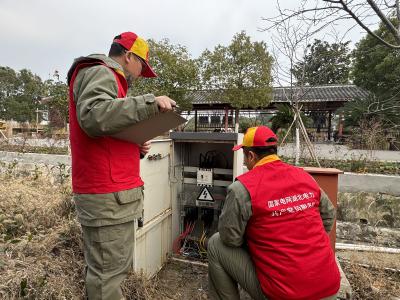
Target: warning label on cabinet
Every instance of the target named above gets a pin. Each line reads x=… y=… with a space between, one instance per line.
x=205 y=195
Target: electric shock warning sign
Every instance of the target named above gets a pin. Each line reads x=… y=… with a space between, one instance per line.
x=205 y=199
x=205 y=195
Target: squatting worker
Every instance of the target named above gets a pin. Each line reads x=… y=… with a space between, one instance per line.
x=107 y=187
x=273 y=228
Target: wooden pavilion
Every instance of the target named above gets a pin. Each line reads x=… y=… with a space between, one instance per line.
x=213 y=113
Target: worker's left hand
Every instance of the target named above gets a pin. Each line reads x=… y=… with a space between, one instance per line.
x=145 y=148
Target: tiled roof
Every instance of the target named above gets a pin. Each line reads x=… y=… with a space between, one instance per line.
x=207 y=97
x=324 y=93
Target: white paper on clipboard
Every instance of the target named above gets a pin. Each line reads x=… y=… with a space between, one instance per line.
x=150 y=128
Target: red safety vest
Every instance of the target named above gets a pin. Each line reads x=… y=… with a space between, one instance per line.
x=285 y=234
x=104 y=164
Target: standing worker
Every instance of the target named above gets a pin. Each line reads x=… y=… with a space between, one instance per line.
x=108 y=190
x=273 y=228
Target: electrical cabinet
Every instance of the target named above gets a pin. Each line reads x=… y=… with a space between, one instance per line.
x=204 y=166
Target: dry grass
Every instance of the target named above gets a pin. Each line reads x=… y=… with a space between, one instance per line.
x=371 y=275
x=30 y=208
x=138 y=287
x=372 y=283
x=41 y=246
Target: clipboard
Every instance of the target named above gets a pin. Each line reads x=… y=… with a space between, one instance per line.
x=148 y=129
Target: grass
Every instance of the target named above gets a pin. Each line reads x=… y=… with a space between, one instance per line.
x=40 y=244
x=375 y=209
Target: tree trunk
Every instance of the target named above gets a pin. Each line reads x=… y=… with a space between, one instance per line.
x=297 y=161
x=236 y=120
x=195 y=120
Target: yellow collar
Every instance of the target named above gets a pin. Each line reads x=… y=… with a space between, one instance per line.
x=267 y=159
x=120 y=72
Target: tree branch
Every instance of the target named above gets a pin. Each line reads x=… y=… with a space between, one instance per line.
x=385 y=20
x=347 y=9
x=398 y=14
x=335 y=10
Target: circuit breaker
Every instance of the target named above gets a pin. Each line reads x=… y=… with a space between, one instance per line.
x=204 y=166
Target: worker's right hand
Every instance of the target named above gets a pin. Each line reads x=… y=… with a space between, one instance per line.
x=165 y=103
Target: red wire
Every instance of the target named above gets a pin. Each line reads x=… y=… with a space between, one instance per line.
x=176 y=245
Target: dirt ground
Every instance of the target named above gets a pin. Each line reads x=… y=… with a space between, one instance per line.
x=178 y=280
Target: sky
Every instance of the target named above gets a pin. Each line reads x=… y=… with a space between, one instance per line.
x=46 y=35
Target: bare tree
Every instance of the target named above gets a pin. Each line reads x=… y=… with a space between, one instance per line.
x=365 y=14
x=290 y=39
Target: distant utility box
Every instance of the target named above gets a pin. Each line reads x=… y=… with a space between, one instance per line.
x=204 y=166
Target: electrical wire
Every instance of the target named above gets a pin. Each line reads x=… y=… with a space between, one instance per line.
x=202 y=248
x=176 y=244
